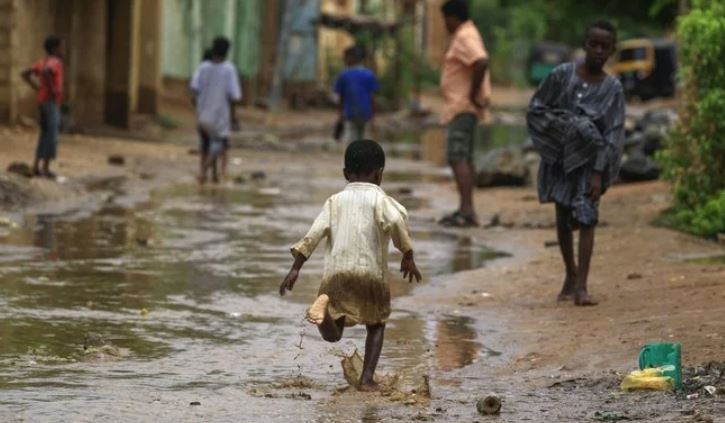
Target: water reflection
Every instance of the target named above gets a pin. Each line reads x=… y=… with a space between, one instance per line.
x=455 y=344
x=430 y=143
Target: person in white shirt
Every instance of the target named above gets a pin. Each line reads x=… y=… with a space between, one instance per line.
x=215 y=87
x=359 y=223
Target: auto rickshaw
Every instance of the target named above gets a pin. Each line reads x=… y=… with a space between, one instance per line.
x=647 y=67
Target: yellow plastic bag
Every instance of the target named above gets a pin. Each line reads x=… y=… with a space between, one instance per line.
x=648 y=379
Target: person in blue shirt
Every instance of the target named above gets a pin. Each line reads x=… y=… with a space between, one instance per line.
x=356 y=86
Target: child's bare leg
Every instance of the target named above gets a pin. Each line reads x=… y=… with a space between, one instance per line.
x=330 y=329
x=586 y=248
x=373 y=348
x=223 y=170
x=214 y=168
x=566 y=246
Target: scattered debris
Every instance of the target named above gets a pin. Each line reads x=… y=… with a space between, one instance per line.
x=495 y=221
x=116 y=160
x=489 y=405
x=610 y=416
x=502 y=167
x=19 y=168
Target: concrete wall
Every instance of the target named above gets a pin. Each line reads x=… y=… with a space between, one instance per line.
x=86 y=62
x=6 y=8
x=149 y=52
x=27 y=17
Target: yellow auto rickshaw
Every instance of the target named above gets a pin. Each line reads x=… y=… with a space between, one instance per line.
x=647 y=67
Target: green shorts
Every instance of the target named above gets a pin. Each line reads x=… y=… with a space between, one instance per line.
x=461 y=135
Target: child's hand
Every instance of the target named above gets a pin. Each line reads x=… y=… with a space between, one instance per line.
x=289 y=281
x=409 y=269
x=596 y=183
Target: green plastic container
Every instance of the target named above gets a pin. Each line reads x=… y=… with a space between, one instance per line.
x=659 y=355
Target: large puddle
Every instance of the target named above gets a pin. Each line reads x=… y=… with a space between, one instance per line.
x=175 y=302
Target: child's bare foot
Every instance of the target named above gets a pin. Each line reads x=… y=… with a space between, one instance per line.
x=316 y=312
x=584 y=299
x=368 y=387
x=567 y=291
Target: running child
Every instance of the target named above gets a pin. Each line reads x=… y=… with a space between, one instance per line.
x=359 y=223
x=46 y=77
x=576 y=120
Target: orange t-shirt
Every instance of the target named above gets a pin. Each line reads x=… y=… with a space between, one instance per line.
x=466 y=48
x=53 y=78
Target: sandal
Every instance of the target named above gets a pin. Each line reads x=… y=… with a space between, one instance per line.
x=459 y=220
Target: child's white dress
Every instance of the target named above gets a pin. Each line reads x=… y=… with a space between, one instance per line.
x=359 y=223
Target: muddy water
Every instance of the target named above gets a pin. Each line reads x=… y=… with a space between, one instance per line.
x=136 y=314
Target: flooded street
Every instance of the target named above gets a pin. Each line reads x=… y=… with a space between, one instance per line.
x=140 y=312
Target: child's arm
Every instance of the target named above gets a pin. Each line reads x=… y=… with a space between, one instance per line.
x=27 y=76
x=289 y=281
x=303 y=249
x=395 y=221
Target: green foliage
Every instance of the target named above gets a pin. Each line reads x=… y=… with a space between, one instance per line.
x=706 y=220
x=694 y=158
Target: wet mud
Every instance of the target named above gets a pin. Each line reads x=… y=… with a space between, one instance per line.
x=139 y=312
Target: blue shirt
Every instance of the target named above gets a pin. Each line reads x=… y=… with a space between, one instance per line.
x=356 y=86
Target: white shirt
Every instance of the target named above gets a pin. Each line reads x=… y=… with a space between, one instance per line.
x=215 y=85
x=359 y=223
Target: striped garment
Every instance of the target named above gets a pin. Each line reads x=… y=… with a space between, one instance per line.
x=577 y=128
x=359 y=223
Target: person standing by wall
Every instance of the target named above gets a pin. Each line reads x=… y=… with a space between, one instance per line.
x=46 y=77
x=465 y=86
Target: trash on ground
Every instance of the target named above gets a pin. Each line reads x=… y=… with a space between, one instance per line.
x=663 y=355
x=489 y=405
x=652 y=379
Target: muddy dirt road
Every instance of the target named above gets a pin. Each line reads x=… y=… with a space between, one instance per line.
x=151 y=299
